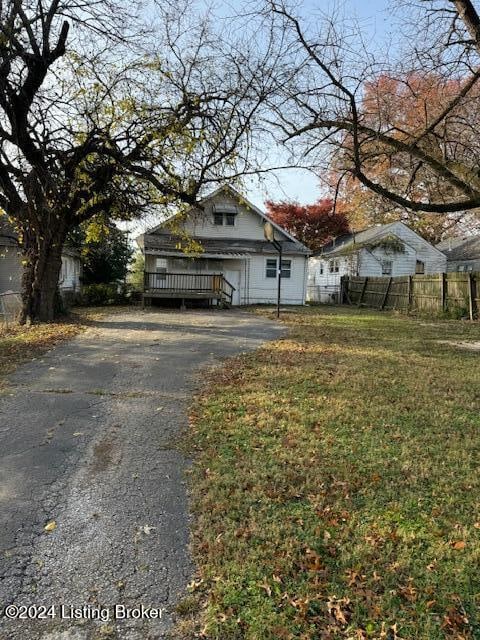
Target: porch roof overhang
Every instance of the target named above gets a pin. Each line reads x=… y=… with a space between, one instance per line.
x=221 y=248
x=206 y=254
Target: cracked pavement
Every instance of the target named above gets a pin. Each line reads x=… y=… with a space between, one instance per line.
x=88 y=438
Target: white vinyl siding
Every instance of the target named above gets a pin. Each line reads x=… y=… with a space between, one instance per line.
x=325 y=273
x=263 y=290
x=247 y=224
x=255 y=286
x=463 y=265
x=11 y=270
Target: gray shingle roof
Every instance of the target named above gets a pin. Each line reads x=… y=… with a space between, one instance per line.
x=349 y=238
x=166 y=242
x=461 y=248
x=290 y=244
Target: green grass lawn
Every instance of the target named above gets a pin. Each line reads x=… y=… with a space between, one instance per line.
x=336 y=484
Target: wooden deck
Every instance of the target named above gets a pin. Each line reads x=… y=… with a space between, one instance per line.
x=187 y=286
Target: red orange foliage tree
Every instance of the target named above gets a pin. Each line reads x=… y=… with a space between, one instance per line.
x=312 y=224
x=423 y=120
x=404 y=108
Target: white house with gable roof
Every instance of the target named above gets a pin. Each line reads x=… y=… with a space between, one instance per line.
x=387 y=250
x=218 y=252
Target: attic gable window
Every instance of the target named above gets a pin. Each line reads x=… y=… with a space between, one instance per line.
x=224 y=215
x=419 y=267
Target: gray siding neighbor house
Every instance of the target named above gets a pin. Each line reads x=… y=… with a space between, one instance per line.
x=11 y=264
x=463 y=253
x=230 y=262
x=10 y=260
x=387 y=250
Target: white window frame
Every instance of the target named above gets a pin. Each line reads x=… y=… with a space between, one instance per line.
x=417 y=264
x=224 y=218
x=286 y=267
x=160 y=269
x=333 y=265
x=269 y=268
x=387 y=267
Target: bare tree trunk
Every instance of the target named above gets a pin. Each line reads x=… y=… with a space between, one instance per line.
x=471 y=20
x=43 y=261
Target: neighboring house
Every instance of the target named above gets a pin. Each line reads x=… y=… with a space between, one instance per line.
x=463 y=253
x=69 y=279
x=10 y=259
x=387 y=250
x=226 y=257
x=11 y=264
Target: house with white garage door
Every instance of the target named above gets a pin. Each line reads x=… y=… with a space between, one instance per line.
x=218 y=252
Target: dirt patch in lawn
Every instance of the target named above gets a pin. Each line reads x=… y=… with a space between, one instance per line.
x=471 y=346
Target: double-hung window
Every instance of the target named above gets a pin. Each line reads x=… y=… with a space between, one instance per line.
x=387 y=266
x=286 y=268
x=271 y=268
x=224 y=215
x=160 y=270
x=334 y=266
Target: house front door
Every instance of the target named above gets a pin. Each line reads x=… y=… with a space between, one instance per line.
x=233 y=278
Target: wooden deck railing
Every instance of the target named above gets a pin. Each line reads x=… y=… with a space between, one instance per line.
x=189 y=283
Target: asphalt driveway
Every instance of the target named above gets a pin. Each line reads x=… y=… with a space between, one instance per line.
x=88 y=440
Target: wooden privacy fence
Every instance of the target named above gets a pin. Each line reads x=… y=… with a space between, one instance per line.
x=455 y=292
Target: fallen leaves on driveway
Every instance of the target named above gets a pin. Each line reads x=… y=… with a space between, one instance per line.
x=50 y=526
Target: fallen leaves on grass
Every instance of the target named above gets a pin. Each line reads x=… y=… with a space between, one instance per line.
x=19 y=344
x=459 y=545
x=341 y=460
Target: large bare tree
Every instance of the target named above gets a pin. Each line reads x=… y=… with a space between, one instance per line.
x=326 y=115
x=105 y=109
